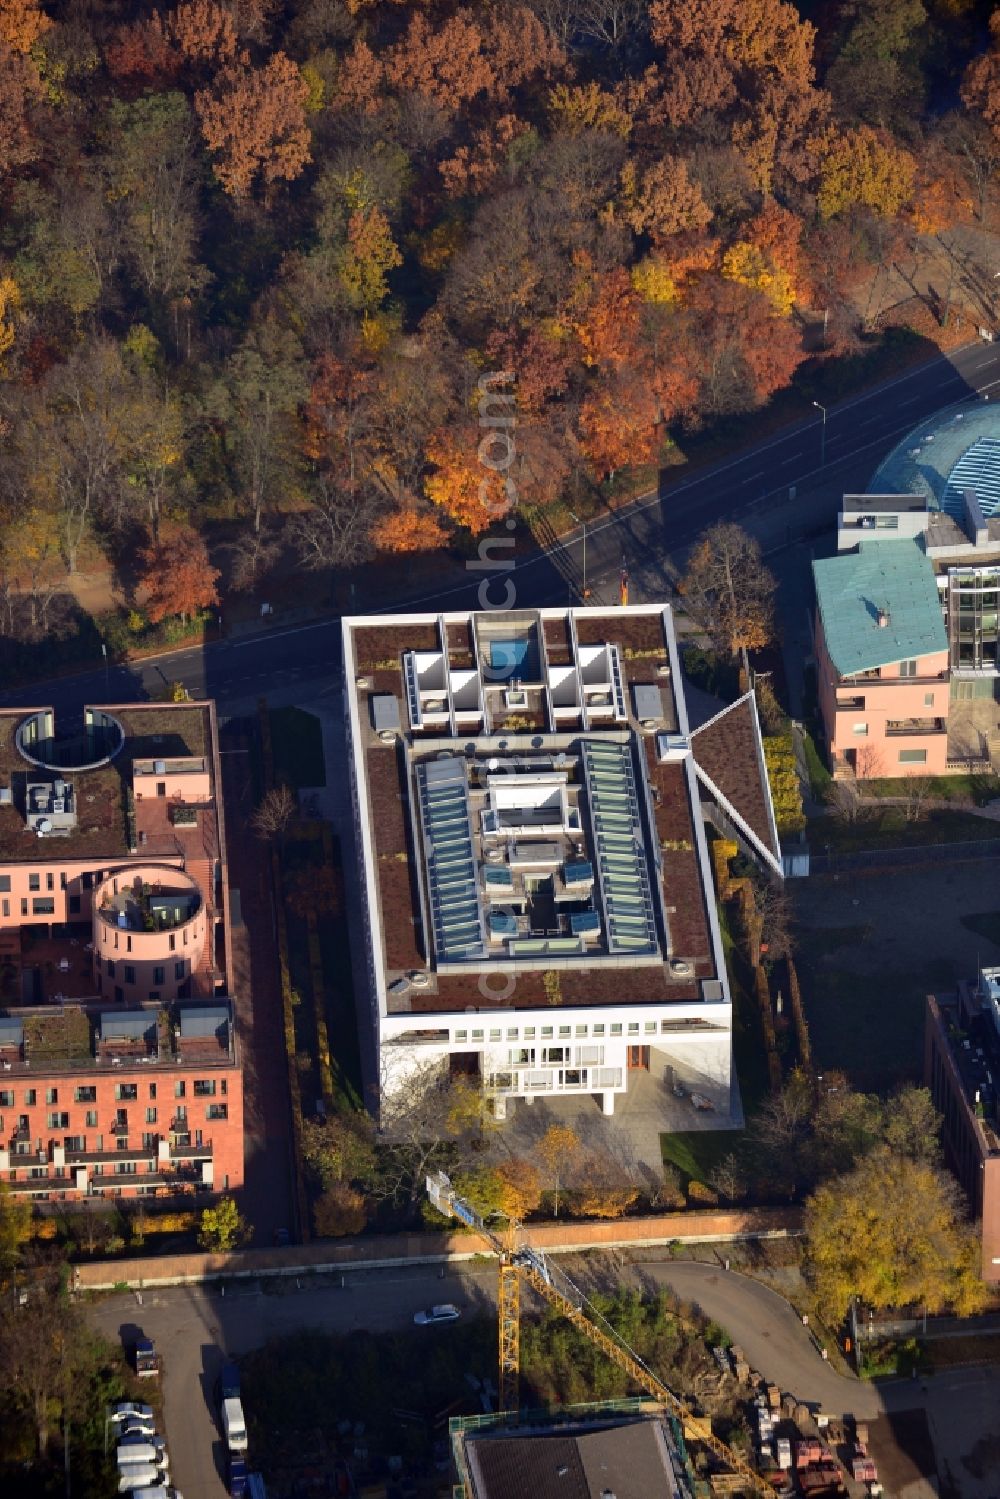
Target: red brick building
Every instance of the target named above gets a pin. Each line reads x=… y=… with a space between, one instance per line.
x=962 y=1070
x=119 y=1058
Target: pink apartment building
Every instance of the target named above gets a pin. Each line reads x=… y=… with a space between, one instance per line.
x=119 y=1060
x=882 y=661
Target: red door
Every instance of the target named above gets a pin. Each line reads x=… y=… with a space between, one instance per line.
x=638 y=1059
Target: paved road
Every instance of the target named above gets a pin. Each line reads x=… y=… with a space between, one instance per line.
x=195 y=1326
x=302 y=663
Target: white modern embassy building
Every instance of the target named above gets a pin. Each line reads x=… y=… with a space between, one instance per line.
x=530 y=808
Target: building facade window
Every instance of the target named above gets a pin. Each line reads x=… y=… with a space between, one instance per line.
x=85 y=1095
x=126 y=1091
x=58 y=1121
x=907 y=668
x=913 y=757
x=204 y=1087
x=217 y=1111
x=30 y=1097
x=129 y=973
x=5 y=882
x=52 y=1095
x=34 y=882
x=43 y=906
x=159 y=975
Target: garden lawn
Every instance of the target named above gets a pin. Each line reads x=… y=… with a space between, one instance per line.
x=696 y=1153
x=888 y=828
x=297 y=743
x=866 y=1021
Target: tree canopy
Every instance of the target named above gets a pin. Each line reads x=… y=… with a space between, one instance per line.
x=255 y=260
x=893 y=1232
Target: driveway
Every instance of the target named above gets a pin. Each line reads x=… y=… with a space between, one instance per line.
x=196 y=1327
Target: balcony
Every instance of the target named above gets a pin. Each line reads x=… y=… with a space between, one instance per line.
x=908 y=727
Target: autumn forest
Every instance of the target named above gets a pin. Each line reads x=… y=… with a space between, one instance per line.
x=256 y=256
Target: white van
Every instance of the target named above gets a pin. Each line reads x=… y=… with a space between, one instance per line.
x=234 y=1426
x=138 y=1476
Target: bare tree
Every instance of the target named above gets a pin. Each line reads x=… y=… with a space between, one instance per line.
x=728 y=1178
x=916 y=791
x=252 y=557
x=845 y=801
x=430 y=1121
x=336 y=529
x=271 y=818
x=729 y=590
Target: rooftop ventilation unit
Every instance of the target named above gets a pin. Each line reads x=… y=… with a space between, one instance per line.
x=681 y=968
x=883 y=619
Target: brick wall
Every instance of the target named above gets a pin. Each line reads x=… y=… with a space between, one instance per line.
x=332 y=1253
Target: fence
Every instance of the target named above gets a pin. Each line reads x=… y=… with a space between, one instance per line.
x=903 y=858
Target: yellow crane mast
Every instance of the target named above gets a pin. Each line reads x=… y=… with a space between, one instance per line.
x=522 y=1263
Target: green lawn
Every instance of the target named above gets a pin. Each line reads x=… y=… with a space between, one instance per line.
x=696 y=1153
x=888 y=828
x=862 y=1019
x=297 y=742
x=959 y=788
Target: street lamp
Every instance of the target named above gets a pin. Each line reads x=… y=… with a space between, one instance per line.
x=583 y=526
x=822 y=435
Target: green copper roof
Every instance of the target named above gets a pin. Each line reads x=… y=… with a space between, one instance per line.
x=894 y=577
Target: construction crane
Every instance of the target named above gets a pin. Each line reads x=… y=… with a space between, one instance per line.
x=520 y=1262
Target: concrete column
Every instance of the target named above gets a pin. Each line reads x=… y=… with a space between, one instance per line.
x=608 y=1102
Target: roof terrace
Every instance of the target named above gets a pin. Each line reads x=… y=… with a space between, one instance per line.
x=77 y=1037
x=554 y=837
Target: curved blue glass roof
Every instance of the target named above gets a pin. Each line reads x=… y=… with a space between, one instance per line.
x=946 y=455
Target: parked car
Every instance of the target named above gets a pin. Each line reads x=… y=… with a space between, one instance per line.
x=138 y=1476
x=446 y=1312
x=129 y=1410
x=142 y=1448
x=237 y=1477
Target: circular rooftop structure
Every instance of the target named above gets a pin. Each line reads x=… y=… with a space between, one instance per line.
x=946 y=455
x=85 y=746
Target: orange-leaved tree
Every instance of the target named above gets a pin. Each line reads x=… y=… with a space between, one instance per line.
x=22 y=22
x=409 y=531
x=254 y=123
x=176 y=574
x=470 y=493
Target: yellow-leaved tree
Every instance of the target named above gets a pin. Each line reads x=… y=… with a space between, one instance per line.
x=864 y=168
x=893 y=1232
x=10 y=301
x=750 y=266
